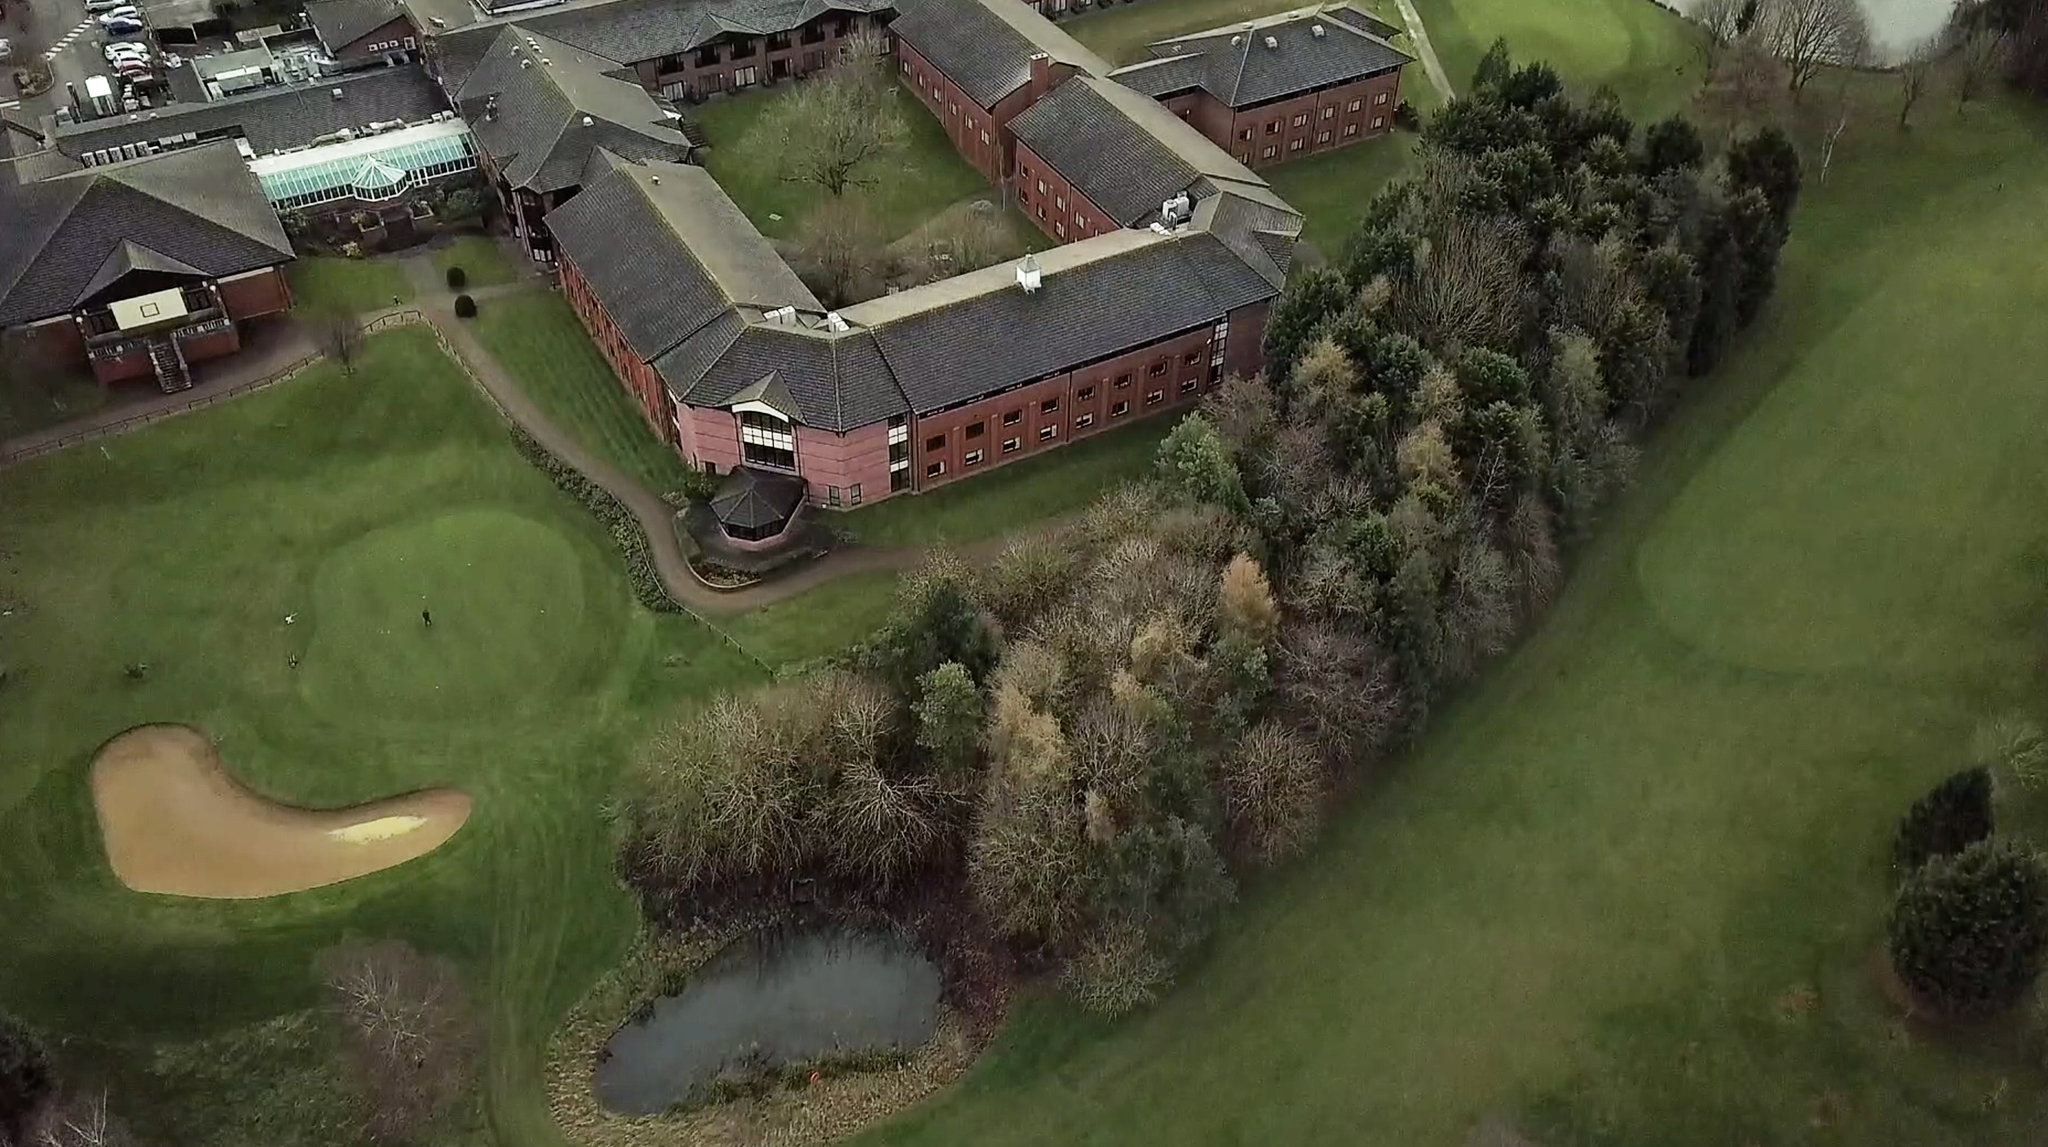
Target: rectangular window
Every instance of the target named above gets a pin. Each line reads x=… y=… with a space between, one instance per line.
x=1060 y=229
x=1120 y=409
x=1301 y=119
x=1084 y=421
x=1060 y=201
x=1188 y=384
x=1012 y=417
x=1084 y=394
x=1041 y=187
x=1048 y=406
x=745 y=77
x=1294 y=145
x=1246 y=134
x=1378 y=122
x=831 y=495
x=1380 y=99
x=1191 y=358
x=1154 y=397
x=974 y=429
x=1350 y=129
x=766 y=440
x=1122 y=381
x=936 y=469
x=1269 y=153
x=972 y=458
x=1272 y=127
x=1048 y=433
x=707 y=56
x=853 y=494
x=1324 y=137
x=934 y=444
x=1356 y=104
x=1330 y=111
x=984 y=139
x=1080 y=221
x=1157 y=368
x=1010 y=445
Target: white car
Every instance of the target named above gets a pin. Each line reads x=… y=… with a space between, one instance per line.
x=125 y=15
x=98 y=6
x=122 y=49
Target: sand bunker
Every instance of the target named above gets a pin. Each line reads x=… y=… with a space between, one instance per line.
x=175 y=822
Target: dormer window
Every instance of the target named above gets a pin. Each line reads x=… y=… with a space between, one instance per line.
x=766 y=440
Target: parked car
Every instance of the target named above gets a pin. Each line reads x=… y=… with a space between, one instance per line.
x=98 y=6
x=123 y=27
x=6 y=51
x=121 y=12
x=122 y=49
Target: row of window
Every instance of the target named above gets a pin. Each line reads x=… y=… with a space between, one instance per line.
x=936 y=468
x=1272 y=150
x=408 y=43
x=743 y=49
x=851 y=497
x=1301 y=118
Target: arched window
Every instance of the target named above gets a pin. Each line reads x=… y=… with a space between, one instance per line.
x=766 y=440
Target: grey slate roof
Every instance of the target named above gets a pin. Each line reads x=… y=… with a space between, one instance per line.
x=200 y=209
x=1125 y=152
x=633 y=30
x=275 y=118
x=552 y=115
x=340 y=23
x=985 y=46
x=1235 y=65
x=947 y=355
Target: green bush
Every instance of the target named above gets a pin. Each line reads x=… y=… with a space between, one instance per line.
x=25 y=1080
x=465 y=307
x=1952 y=816
x=625 y=528
x=457 y=278
x=1967 y=933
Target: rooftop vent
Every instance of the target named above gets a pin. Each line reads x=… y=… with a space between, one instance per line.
x=1236 y=40
x=437 y=22
x=1316 y=30
x=1272 y=42
x=1029 y=276
x=525 y=64
x=834 y=323
x=587 y=121
x=491 y=108
x=335 y=92
x=781 y=315
x=654 y=178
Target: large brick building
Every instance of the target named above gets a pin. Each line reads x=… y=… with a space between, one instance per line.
x=1281 y=87
x=139 y=268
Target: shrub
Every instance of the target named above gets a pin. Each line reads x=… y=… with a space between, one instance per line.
x=1952 y=816
x=1115 y=971
x=2012 y=745
x=465 y=307
x=1272 y=792
x=408 y=1033
x=1967 y=933
x=457 y=278
x=625 y=528
x=1406 y=117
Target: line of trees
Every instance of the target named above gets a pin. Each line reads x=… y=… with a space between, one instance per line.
x=1094 y=735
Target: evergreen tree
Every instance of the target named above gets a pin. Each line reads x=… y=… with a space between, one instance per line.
x=1967 y=933
x=25 y=1080
x=1952 y=816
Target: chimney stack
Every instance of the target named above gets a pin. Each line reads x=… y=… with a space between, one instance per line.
x=1041 y=78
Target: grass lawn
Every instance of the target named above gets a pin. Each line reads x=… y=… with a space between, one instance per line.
x=819 y=622
x=1644 y=52
x=928 y=177
x=1013 y=497
x=538 y=339
x=1333 y=189
x=479 y=257
x=1627 y=890
x=323 y=283
x=31 y=401
x=342 y=505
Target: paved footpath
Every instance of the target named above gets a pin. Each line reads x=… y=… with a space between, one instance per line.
x=1430 y=63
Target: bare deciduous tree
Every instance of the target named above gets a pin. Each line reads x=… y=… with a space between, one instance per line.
x=1467 y=287
x=1809 y=35
x=1834 y=136
x=408 y=1030
x=1722 y=22
x=841 y=253
x=80 y=1121
x=841 y=125
x=340 y=339
x=1978 y=58
x=1272 y=787
x=1913 y=74
x=1746 y=86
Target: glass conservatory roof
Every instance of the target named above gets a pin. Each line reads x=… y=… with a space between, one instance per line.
x=374 y=164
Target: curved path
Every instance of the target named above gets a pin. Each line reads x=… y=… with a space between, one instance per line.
x=1423 y=48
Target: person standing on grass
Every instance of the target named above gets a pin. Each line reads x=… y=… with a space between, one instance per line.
x=427 y=618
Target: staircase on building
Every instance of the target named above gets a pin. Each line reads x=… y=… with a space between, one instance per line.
x=171 y=373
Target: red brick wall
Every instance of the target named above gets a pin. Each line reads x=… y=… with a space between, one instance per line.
x=135 y=364
x=263 y=293
x=1206 y=113
x=981 y=135
x=1327 y=120
x=717 y=437
x=56 y=344
x=857 y=457
x=1045 y=197
x=683 y=75
x=211 y=346
x=1125 y=379
x=391 y=31
x=637 y=376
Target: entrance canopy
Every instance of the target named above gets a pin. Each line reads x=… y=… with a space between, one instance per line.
x=754 y=505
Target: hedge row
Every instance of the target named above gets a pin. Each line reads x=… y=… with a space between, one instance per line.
x=625 y=528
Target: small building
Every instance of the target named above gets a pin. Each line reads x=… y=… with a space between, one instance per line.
x=363 y=33
x=977 y=65
x=235 y=73
x=375 y=180
x=144 y=267
x=1282 y=87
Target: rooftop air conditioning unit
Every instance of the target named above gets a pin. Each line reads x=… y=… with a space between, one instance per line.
x=335 y=92
x=834 y=323
x=1029 y=275
x=781 y=315
x=1316 y=30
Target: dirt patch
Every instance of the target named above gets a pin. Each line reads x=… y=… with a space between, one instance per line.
x=175 y=822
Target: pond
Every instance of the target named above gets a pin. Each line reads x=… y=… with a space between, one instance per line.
x=770 y=1000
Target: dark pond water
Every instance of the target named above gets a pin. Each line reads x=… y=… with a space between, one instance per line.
x=781 y=998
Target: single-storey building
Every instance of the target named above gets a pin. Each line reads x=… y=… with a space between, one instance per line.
x=1279 y=87
x=364 y=33
x=143 y=267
